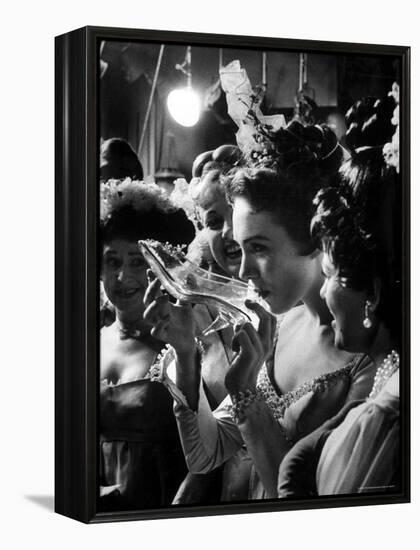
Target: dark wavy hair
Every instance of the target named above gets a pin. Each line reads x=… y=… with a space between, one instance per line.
x=359 y=222
x=284 y=182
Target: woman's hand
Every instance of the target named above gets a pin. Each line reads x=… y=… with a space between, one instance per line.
x=253 y=349
x=172 y=323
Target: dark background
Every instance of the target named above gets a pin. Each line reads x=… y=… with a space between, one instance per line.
x=336 y=81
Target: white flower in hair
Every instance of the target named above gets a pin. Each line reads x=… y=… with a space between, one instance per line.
x=116 y=194
x=391 y=150
x=182 y=197
x=199 y=249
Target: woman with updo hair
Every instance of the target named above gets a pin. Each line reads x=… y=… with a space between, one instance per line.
x=360 y=229
x=287 y=377
x=213 y=219
x=214 y=249
x=214 y=214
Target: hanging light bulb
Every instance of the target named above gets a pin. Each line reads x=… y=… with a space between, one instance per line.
x=184 y=103
x=184 y=106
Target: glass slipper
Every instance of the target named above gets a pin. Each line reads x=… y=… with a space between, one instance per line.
x=188 y=282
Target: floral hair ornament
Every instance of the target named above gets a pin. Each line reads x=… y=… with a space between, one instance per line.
x=243 y=103
x=268 y=140
x=140 y=196
x=391 y=150
x=182 y=197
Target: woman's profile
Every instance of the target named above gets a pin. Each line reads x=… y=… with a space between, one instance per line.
x=285 y=380
x=358 y=451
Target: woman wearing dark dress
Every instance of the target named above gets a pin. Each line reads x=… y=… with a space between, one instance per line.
x=141 y=459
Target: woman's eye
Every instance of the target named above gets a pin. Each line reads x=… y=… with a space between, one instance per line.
x=214 y=223
x=138 y=262
x=258 y=248
x=112 y=263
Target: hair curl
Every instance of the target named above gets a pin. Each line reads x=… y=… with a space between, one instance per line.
x=224 y=158
x=369 y=123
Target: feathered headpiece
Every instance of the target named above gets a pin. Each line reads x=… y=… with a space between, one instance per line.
x=182 y=197
x=268 y=140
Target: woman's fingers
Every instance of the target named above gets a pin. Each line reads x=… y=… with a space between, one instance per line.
x=158 y=310
x=246 y=341
x=254 y=337
x=153 y=290
x=267 y=325
x=160 y=330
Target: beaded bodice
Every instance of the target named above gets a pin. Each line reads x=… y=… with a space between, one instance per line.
x=279 y=403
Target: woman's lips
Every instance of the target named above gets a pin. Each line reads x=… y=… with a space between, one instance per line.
x=232 y=250
x=262 y=293
x=127 y=292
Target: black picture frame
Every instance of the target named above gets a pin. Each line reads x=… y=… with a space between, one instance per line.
x=76 y=291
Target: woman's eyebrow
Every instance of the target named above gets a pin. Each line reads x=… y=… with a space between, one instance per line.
x=259 y=237
x=209 y=212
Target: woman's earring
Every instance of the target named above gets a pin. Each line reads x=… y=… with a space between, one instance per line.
x=367 y=323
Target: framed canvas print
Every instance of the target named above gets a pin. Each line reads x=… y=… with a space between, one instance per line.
x=232 y=274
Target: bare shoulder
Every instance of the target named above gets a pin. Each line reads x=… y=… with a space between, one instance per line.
x=108 y=347
x=124 y=360
x=107 y=332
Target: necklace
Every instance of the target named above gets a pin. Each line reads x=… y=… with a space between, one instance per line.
x=389 y=365
x=129 y=330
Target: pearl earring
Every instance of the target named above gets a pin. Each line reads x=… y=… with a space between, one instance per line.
x=367 y=323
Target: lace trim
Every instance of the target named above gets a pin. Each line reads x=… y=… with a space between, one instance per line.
x=157 y=372
x=280 y=403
